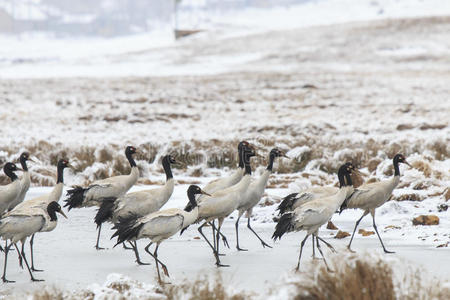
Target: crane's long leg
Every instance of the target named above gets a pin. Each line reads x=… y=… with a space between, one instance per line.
x=32 y=255
x=237 y=233
x=313 y=248
x=264 y=244
x=219 y=226
x=209 y=243
x=26 y=263
x=301 y=249
x=326 y=243
x=354 y=230
x=155 y=256
x=376 y=230
x=98 y=238
x=6 y=250
x=224 y=238
x=136 y=253
x=20 y=257
x=213 y=229
x=321 y=253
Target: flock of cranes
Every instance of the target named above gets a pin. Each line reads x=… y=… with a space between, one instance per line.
x=138 y=216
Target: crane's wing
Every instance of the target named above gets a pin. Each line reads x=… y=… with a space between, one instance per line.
x=163 y=225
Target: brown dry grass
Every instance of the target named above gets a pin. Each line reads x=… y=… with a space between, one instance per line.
x=201 y=289
x=367 y=279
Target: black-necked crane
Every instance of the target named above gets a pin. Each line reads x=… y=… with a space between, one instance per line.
x=226 y=182
x=252 y=196
x=42 y=202
x=9 y=192
x=294 y=200
x=158 y=226
x=223 y=183
x=222 y=203
x=25 y=181
x=96 y=192
x=312 y=215
x=139 y=203
x=370 y=196
x=17 y=226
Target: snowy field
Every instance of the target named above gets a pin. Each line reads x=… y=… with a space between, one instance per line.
x=359 y=84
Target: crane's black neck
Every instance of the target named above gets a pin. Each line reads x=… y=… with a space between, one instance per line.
x=23 y=162
x=396 y=168
x=248 y=169
x=60 y=174
x=241 y=161
x=52 y=213
x=10 y=174
x=192 y=202
x=166 y=166
x=344 y=175
x=129 y=156
x=271 y=159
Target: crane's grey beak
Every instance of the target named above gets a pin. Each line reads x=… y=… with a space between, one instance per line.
x=205 y=193
x=284 y=154
x=405 y=162
x=19 y=169
x=62 y=213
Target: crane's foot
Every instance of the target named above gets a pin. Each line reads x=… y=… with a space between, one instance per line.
x=389 y=252
x=6 y=280
x=36 y=270
x=264 y=244
x=36 y=280
x=241 y=249
x=220 y=265
x=350 y=249
x=98 y=247
x=142 y=263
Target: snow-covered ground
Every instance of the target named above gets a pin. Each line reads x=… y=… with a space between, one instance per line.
x=365 y=80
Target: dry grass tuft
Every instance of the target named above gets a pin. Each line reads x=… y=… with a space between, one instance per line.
x=48 y=294
x=423 y=166
x=201 y=289
x=359 y=279
x=366 y=279
x=408 y=197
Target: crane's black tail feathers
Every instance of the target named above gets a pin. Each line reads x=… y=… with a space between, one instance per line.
x=287 y=203
x=105 y=212
x=75 y=197
x=284 y=225
x=127 y=228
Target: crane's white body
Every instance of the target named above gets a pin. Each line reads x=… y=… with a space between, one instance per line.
x=144 y=202
x=18 y=225
x=313 y=194
x=372 y=195
x=253 y=194
x=313 y=214
x=222 y=203
x=9 y=194
x=42 y=201
x=223 y=183
x=163 y=224
x=25 y=182
x=115 y=186
x=37 y=205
